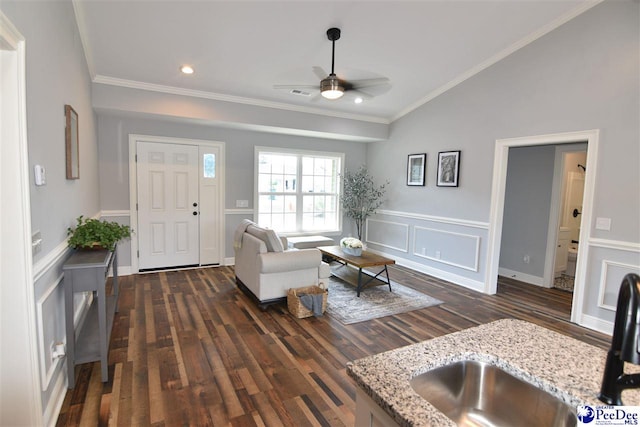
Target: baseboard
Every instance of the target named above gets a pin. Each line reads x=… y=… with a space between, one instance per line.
x=527 y=278
x=52 y=411
x=124 y=271
x=440 y=274
x=596 y=324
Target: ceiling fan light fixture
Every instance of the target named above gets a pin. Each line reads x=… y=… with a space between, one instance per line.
x=187 y=69
x=330 y=88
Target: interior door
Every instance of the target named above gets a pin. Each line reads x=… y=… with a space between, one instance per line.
x=168 y=223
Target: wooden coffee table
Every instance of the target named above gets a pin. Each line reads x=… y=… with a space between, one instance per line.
x=367 y=259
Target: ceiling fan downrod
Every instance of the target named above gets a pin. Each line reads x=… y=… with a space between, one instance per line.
x=331 y=87
x=333 y=34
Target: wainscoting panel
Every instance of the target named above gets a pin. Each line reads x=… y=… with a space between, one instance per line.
x=444 y=247
x=608 y=262
x=51 y=329
x=611 y=277
x=456 y=249
x=392 y=235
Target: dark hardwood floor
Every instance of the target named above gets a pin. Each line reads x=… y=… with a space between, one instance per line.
x=189 y=349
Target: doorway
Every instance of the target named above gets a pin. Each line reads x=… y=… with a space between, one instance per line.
x=176 y=197
x=572 y=171
x=501 y=155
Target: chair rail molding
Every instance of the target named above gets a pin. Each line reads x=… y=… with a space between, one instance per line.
x=433 y=218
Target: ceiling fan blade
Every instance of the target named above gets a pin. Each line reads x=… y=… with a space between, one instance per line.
x=317 y=97
x=318 y=71
x=369 y=82
x=316 y=87
x=361 y=94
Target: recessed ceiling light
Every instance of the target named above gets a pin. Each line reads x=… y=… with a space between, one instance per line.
x=187 y=69
x=358 y=100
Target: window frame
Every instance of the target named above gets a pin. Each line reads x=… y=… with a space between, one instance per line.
x=258 y=150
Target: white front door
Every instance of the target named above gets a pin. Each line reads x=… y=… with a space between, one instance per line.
x=168 y=205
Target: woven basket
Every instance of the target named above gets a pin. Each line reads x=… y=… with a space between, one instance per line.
x=295 y=306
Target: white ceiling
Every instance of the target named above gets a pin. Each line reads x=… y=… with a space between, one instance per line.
x=240 y=49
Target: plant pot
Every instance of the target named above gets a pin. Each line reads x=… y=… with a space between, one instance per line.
x=352 y=251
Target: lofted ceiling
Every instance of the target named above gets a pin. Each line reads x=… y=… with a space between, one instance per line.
x=241 y=49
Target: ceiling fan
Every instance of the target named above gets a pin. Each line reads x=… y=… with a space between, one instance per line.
x=331 y=87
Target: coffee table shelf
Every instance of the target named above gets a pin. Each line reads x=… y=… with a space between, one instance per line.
x=366 y=260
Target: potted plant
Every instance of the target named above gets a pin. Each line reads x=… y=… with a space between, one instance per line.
x=361 y=197
x=93 y=233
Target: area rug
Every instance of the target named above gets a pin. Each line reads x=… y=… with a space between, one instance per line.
x=374 y=302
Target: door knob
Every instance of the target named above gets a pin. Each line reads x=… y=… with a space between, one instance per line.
x=195 y=204
x=195 y=213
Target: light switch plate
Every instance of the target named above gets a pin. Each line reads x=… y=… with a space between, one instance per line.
x=603 y=224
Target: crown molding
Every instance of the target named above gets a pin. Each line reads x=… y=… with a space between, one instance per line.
x=583 y=7
x=173 y=90
x=78 y=10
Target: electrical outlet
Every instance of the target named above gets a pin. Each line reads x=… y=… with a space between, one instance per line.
x=242 y=203
x=57 y=350
x=526 y=259
x=437 y=254
x=36 y=242
x=424 y=251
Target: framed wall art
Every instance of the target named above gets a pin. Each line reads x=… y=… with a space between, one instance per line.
x=448 y=168
x=72 y=143
x=415 y=169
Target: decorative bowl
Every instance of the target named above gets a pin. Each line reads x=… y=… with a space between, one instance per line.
x=352 y=251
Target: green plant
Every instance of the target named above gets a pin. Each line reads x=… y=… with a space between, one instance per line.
x=92 y=232
x=361 y=197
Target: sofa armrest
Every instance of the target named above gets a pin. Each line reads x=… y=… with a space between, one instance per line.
x=277 y=262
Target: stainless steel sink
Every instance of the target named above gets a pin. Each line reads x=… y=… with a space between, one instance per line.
x=474 y=393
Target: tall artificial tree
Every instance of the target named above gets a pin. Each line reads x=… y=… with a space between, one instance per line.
x=361 y=197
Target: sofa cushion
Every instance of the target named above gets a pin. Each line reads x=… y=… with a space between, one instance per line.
x=268 y=236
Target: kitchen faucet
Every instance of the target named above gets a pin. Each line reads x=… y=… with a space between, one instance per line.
x=625 y=344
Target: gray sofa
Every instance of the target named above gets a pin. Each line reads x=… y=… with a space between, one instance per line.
x=266 y=271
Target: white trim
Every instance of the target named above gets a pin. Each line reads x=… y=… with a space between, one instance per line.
x=618 y=245
x=527 y=278
x=115 y=213
x=78 y=10
x=596 y=324
x=583 y=7
x=440 y=274
x=133 y=185
x=52 y=411
x=406 y=243
x=473 y=268
x=173 y=90
x=241 y=211
x=501 y=155
x=24 y=338
x=603 y=281
x=432 y=218
x=44 y=264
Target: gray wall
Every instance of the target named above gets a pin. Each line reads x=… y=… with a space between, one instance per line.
x=527 y=204
x=56 y=74
x=113 y=136
x=583 y=75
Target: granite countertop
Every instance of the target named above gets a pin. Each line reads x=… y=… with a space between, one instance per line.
x=565 y=367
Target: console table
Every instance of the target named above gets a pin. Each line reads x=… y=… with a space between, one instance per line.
x=87 y=271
